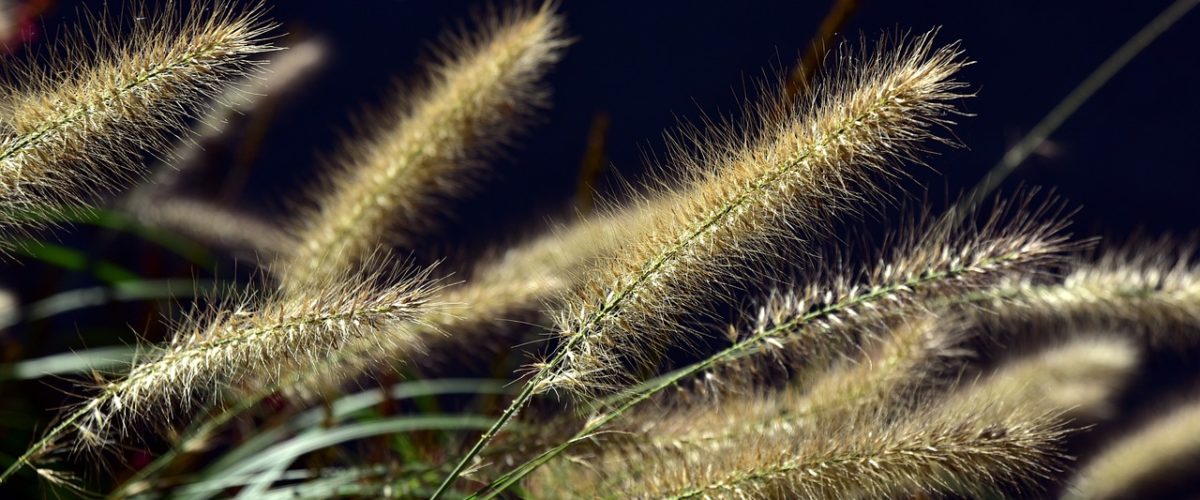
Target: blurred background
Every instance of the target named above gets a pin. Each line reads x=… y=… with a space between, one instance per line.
x=1126 y=159
x=639 y=68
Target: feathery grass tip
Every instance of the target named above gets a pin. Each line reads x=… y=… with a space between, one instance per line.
x=76 y=127
x=390 y=185
x=767 y=193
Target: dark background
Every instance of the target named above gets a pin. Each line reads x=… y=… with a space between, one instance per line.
x=1125 y=159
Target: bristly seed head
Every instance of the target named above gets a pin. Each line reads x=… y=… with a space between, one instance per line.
x=394 y=181
x=258 y=339
x=757 y=196
x=77 y=129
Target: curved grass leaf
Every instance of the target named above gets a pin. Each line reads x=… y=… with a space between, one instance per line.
x=273 y=461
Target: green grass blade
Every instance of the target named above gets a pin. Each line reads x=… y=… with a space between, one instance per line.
x=315 y=439
x=119 y=221
x=69 y=258
x=100 y=358
x=346 y=407
x=125 y=291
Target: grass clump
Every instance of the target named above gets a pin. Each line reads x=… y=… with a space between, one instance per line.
x=713 y=334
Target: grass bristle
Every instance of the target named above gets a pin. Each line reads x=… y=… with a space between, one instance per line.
x=393 y=181
x=755 y=196
x=75 y=126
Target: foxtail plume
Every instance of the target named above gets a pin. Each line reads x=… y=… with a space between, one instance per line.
x=253 y=339
x=1150 y=292
x=77 y=127
x=923 y=268
x=392 y=182
x=971 y=442
x=752 y=196
x=1081 y=376
x=1163 y=448
x=488 y=312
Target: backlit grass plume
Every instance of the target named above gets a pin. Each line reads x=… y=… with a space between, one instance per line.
x=1080 y=376
x=754 y=196
x=239 y=233
x=488 y=313
x=721 y=331
x=975 y=440
x=527 y=279
x=911 y=357
x=394 y=181
x=905 y=360
x=254 y=337
x=1152 y=291
x=922 y=268
x=75 y=125
x=1143 y=461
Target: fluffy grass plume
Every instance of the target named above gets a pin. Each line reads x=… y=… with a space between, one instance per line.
x=754 y=196
x=1166 y=447
x=922 y=269
x=1153 y=292
x=75 y=126
x=255 y=337
x=911 y=357
x=417 y=156
x=499 y=301
x=1080 y=375
x=975 y=440
x=215 y=224
x=932 y=261
x=258 y=338
x=528 y=279
x=894 y=366
x=535 y=274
